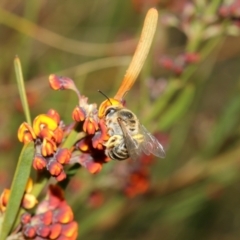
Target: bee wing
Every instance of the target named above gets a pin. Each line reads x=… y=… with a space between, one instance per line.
x=150 y=144
x=132 y=145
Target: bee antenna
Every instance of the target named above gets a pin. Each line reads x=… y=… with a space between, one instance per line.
x=105 y=96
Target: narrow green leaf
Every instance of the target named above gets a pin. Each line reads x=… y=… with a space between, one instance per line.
x=21 y=89
x=93 y=220
x=225 y=127
x=17 y=189
x=178 y=108
x=162 y=102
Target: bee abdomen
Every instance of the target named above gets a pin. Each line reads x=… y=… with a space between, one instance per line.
x=117 y=155
x=118 y=152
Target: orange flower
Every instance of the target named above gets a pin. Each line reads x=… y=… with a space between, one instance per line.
x=61 y=83
x=53 y=219
x=39 y=162
x=90 y=125
x=78 y=114
x=47 y=133
x=28 y=201
x=48 y=147
x=55 y=168
x=4 y=199
x=26 y=133
x=101 y=136
x=63 y=156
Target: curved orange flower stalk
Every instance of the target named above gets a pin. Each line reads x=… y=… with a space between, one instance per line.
x=136 y=64
x=140 y=54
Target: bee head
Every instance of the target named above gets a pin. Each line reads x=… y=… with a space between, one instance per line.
x=111 y=102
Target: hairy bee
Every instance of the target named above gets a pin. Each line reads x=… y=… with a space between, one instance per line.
x=128 y=138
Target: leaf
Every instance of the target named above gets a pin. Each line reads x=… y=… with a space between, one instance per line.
x=17 y=189
x=21 y=89
x=162 y=102
x=178 y=108
x=225 y=128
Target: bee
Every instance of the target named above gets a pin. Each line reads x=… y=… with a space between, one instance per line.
x=128 y=137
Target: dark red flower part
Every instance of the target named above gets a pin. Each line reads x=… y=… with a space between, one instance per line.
x=29 y=231
x=101 y=136
x=61 y=176
x=54 y=115
x=46 y=217
x=97 y=141
x=56 y=195
x=138 y=183
x=25 y=218
x=56 y=229
x=224 y=11
x=95 y=199
x=177 y=70
x=39 y=162
x=87 y=161
x=69 y=229
x=63 y=155
x=235 y=9
x=53 y=219
x=64 y=215
x=90 y=126
x=60 y=83
x=55 y=168
x=58 y=135
x=84 y=145
x=43 y=230
x=191 y=57
x=167 y=62
x=78 y=114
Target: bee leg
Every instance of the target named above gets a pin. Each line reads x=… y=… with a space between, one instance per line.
x=113 y=141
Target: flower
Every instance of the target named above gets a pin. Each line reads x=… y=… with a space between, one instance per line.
x=53 y=219
x=179 y=63
x=138 y=182
x=90 y=157
x=92 y=149
x=95 y=199
x=47 y=133
x=28 y=200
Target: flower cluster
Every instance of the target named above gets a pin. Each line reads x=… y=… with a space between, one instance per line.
x=178 y=64
x=91 y=146
x=231 y=11
x=28 y=200
x=138 y=179
x=199 y=25
x=53 y=219
x=47 y=133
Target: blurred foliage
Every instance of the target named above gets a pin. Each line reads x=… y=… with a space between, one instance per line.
x=194 y=109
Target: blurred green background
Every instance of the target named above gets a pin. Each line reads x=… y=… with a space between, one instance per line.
x=194 y=191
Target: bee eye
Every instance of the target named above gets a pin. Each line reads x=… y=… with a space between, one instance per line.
x=110 y=110
x=126 y=114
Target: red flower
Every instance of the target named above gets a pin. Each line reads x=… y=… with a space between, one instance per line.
x=53 y=219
